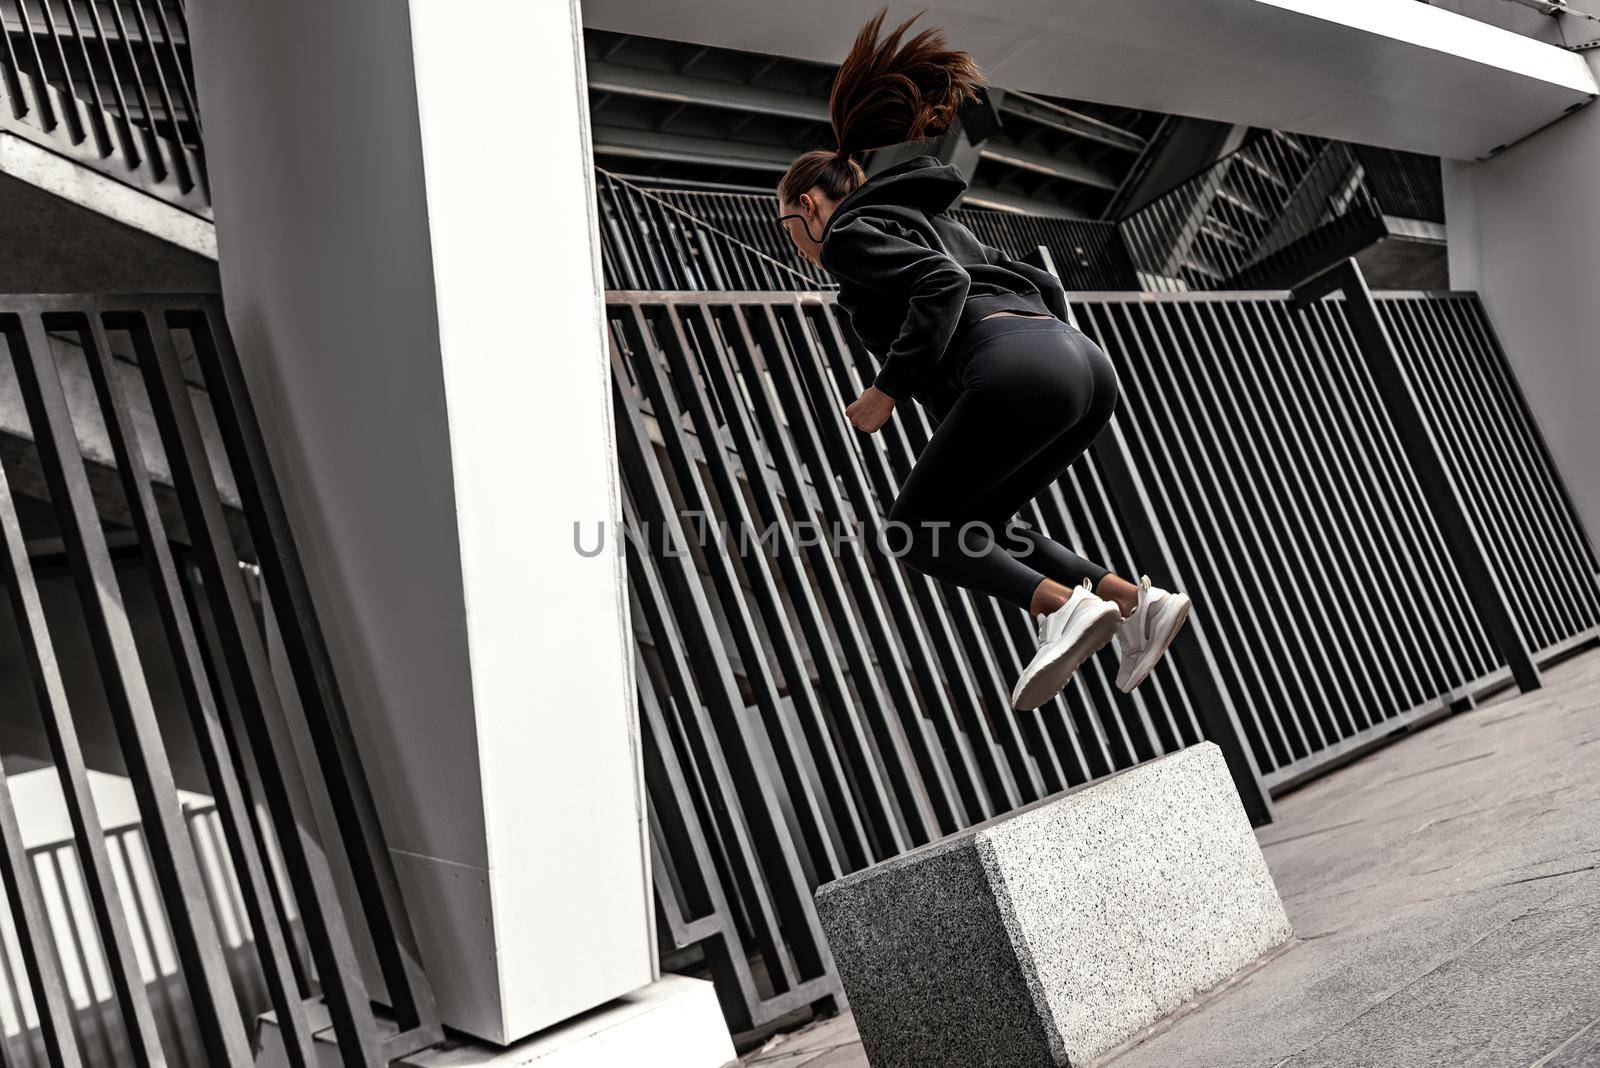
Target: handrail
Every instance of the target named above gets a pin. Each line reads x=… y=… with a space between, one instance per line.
x=723 y=240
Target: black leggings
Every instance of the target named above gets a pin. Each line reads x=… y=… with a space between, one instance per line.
x=1034 y=394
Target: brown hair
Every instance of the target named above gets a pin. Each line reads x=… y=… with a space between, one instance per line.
x=885 y=93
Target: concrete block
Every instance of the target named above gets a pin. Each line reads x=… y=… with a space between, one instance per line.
x=1050 y=935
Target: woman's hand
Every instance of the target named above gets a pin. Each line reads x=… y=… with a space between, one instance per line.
x=870 y=410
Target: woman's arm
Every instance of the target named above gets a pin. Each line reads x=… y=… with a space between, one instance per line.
x=882 y=255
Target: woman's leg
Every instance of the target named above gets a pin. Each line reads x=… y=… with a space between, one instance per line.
x=1032 y=399
x=1049 y=557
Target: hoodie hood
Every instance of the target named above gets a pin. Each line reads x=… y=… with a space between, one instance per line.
x=921 y=182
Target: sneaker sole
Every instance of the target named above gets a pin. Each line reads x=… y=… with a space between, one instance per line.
x=1052 y=676
x=1158 y=648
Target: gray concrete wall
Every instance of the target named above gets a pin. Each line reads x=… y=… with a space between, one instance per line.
x=1525 y=233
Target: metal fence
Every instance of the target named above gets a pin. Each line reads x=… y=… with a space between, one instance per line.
x=108 y=83
x=1275 y=211
x=694 y=240
x=101 y=1039
x=811 y=707
x=243 y=726
x=668 y=238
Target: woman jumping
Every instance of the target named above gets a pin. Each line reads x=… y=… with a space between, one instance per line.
x=981 y=340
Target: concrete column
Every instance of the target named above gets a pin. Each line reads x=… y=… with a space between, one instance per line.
x=409 y=254
x=1525 y=233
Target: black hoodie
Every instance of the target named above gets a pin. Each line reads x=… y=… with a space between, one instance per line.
x=913 y=279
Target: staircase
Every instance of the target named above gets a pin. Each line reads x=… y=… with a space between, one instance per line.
x=103 y=184
x=1274 y=203
x=109 y=86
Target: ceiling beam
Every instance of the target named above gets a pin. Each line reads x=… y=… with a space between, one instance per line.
x=686 y=89
x=1393 y=73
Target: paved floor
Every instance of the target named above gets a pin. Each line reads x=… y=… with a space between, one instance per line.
x=1445 y=892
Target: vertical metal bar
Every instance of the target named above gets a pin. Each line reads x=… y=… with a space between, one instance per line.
x=24 y=1053
x=1478 y=369
x=834 y=449
x=152 y=140
x=246 y=768
x=43 y=91
x=754 y=883
x=97 y=107
x=1530 y=537
x=735 y=757
x=51 y=999
x=182 y=75
x=96 y=1014
x=986 y=783
x=1217 y=321
x=312 y=667
x=210 y=730
x=1510 y=387
x=11 y=71
x=855 y=619
x=255 y=688
x=1310 y=545
x=151 y=927
x=1391 y=500
x=1465 y=461
x=1148 y=381
x=132 y=709
x=122 y=961
x=675 y=827
x=66 y=99
x=1194 y=659
x=124 y=124
x=180 y=162
x=1423 y=450
x=1296 y=359
x=786 y=745
x=798 y=591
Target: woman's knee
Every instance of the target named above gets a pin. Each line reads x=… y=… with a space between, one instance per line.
x=900 y=511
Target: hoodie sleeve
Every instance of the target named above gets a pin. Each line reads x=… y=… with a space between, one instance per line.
x=1050 y=288
x=881 y=255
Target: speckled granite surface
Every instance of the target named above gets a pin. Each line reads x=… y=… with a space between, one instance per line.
x=1049 y=936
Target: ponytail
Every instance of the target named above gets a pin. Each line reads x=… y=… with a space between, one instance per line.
x=884 y=93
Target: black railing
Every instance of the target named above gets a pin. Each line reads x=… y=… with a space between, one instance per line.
x=1268 y=215
x=110 y=85
x=682 y=239
x=675 y=239
x=1088 y=255
x=158 y=350
x=57 y=869
x=811 y=707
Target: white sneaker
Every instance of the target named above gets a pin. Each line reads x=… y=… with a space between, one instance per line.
x=1067 y=637
x=1144 y=636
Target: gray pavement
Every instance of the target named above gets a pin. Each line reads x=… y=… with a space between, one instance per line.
x=1445 y=894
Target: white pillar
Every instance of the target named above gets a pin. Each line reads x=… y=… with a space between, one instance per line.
x=406 y=218
x=1525 y=233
